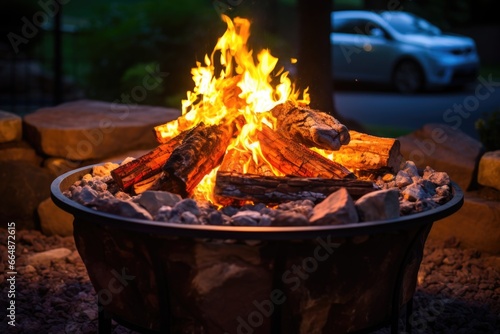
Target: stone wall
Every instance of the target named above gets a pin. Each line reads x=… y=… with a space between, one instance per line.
x=40 y=146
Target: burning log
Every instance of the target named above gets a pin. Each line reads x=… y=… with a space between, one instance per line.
x=366 y=154
x=295 y=159
x=231 y=188
x=312 y=128
x=147 y=165
x=201 y=150
x=236 y=161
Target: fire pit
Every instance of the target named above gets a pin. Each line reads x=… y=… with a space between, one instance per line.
x=175 y=278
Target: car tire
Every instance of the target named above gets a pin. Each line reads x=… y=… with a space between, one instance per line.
x=408 y=77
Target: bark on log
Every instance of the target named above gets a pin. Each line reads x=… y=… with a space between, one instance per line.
x=147 y=165
x=370 y=155
x=236 y=188
x=200 y=152
x=312 y=128
x=295 y=159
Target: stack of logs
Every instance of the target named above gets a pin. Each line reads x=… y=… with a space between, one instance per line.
x=178 y=164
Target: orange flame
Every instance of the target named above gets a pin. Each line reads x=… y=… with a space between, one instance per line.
x=243 y=87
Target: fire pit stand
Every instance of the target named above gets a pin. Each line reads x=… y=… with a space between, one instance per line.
x=171 y=278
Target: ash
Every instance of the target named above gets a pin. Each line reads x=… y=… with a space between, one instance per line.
x=409 y=191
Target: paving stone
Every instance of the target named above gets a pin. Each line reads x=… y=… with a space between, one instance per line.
x=19 y=151
x=11 y=128
x=87 y=129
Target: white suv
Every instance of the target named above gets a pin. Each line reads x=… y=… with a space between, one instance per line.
x=399 y=48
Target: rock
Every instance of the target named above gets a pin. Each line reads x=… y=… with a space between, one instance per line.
x=438 y=178
x=445 y=149
x=104 y=169
x=53 y=220
x=86 y=129
x=338 y=208
x=403 y=179
x=187 y=204
x=10 y=127
x=475 y=225
x=489 y=170
x=414 y=192
x=153 y=200
x=59 y=166
x=45 y=258
x=19 y=151
x=248 y=218
x=378 y=205
x=23 y=187
x=289 y=218
x=126 y=209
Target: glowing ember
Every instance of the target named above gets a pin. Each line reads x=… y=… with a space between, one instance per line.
x=242 y=88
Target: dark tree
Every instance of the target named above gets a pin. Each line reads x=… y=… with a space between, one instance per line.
x=314 y=65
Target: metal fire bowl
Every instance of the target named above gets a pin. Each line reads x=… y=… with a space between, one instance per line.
x=155 y=276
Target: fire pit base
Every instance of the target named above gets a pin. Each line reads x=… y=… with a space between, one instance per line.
x=171 y=278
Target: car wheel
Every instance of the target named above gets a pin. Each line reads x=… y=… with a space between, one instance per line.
x=408 y=77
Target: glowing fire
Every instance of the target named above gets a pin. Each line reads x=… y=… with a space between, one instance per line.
x=242 y=88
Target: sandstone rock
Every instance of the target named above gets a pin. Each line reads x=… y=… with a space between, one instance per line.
x=19 y=151
x=445 y=149
x=338 y=208
x=88 y=129
x=489 y=170
x=378 y=205
x=10 y=127
x=59 y=166
x=53 y=220
x=45 y=258
x=475 y=225
x=23 y=187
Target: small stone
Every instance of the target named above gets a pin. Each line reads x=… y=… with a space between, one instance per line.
x=45 y=258
x=337 y=208
x=289 y=218
x=378 y=205
x=414 y=192
x=122 y=208
x=388 y=177
x=438 y=178
x=403 y=179
x=187 y=204
x=411 y=169
x=104 y=169
x=189 y=218
x=246 y=218
x=153 y=200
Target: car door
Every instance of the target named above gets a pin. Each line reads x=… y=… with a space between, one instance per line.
x=363 y=51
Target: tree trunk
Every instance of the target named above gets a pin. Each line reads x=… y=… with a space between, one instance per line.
x=314 y=58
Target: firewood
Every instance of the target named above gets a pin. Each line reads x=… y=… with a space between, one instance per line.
x=292 y=158
x=310 y=127
x=236 y=161
x=369 y=155
x=147 y=165
x=236 y=188
x=201 y=150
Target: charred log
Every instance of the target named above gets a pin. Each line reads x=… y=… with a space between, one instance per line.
x=295 y=159
x=370 y=155
x=235 y=188
x=147 y=165
x=201 y=150
x=312 y=128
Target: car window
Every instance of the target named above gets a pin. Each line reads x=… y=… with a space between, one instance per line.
x=406 y=23
x=355 y=26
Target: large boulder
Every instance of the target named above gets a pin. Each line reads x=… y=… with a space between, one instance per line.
x=19 y=151
x=489 y=170
x=53 y=220
x=445 y=149
x=10 y=127
x=86 y=129
x=24 y=186
x=475 y=225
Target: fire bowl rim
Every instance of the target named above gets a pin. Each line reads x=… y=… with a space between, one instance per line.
x=84 y=213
